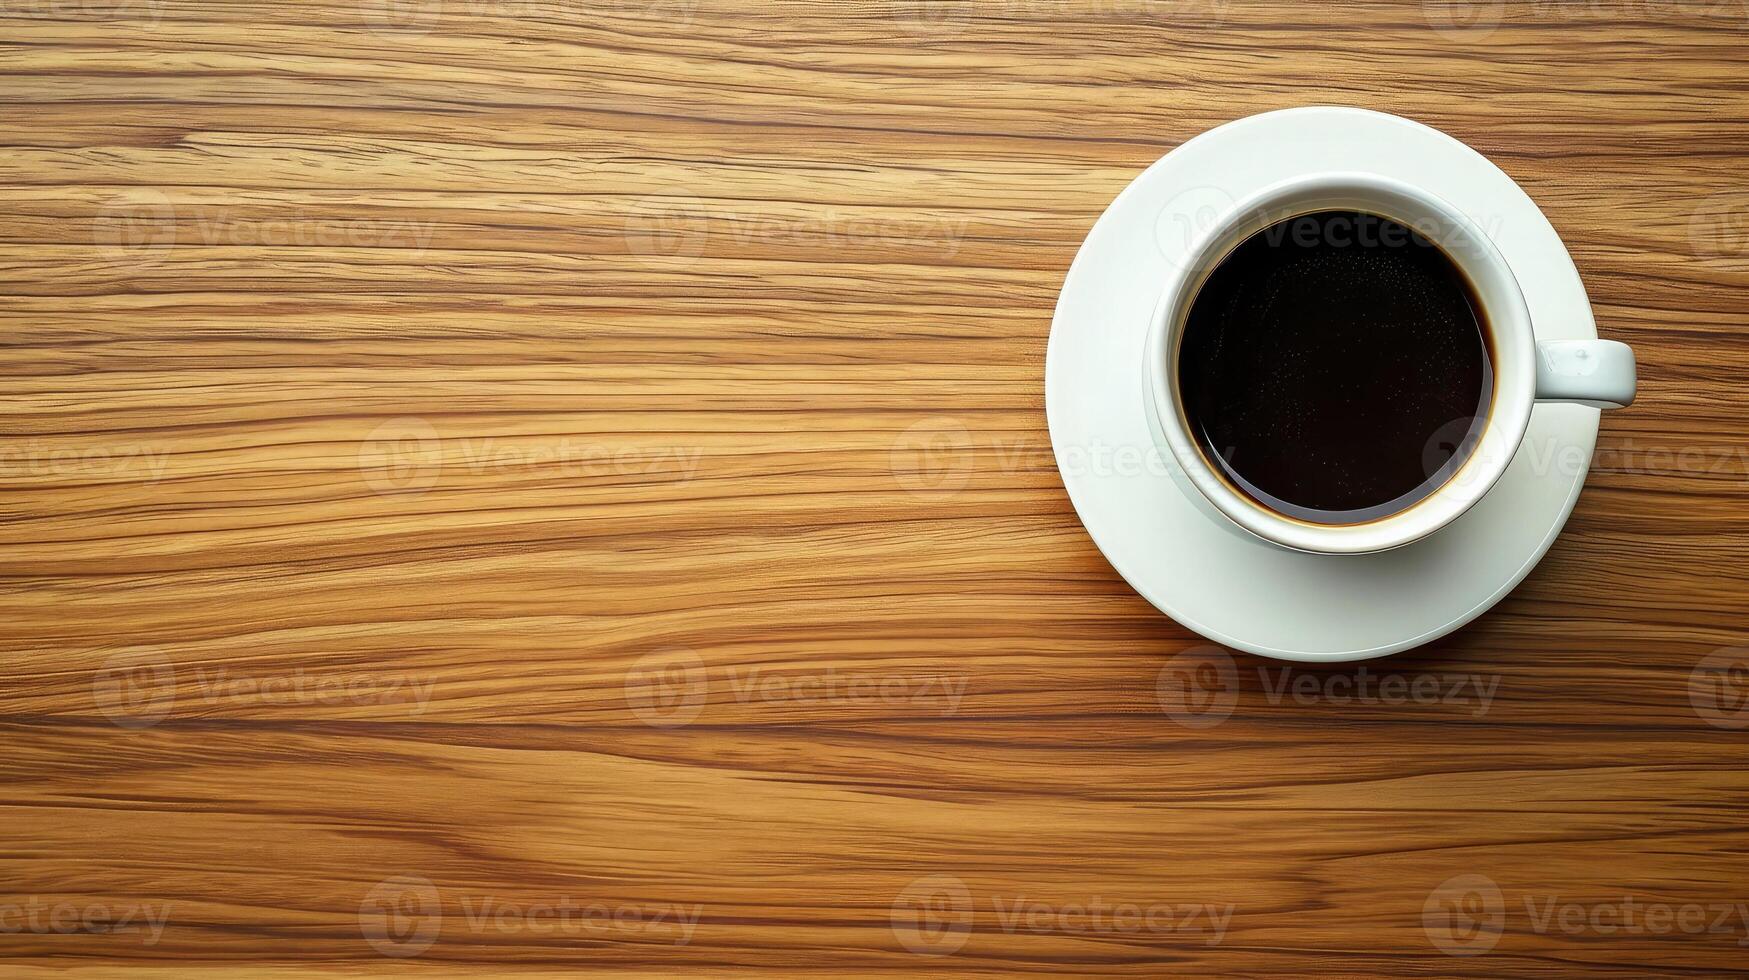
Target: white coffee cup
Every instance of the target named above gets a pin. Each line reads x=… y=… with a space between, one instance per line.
x=1599 y=373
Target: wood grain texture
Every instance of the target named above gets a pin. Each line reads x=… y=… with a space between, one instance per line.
x=541 y=487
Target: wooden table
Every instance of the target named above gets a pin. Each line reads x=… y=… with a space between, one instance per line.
x=543 y=486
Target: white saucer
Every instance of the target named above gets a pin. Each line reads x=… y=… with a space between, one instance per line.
x=1164 y=538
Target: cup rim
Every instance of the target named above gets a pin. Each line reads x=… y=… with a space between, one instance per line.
x=1507 y=318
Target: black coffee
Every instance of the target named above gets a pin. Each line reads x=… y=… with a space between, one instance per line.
x=1335 y=367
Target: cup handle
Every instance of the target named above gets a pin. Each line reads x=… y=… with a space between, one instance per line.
x=1599 y=373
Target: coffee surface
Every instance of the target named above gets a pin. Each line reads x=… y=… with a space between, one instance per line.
x=1335 y=367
